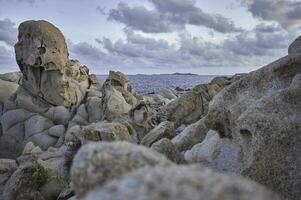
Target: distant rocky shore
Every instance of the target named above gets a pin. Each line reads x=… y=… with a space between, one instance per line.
x=66 y=135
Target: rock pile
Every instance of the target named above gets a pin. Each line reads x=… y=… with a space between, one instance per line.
x=66 y=135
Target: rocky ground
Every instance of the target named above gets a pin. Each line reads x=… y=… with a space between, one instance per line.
x=66 y=135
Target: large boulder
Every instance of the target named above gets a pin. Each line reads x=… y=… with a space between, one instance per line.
x=181 y=182
x=191 y=135
x=97 y=163
x=295 y=47
x=42 y=55
x=191 y=106
x=7 y=168
x=163 y=130
x=261 y=113
x=14 y=77
x=7 y=89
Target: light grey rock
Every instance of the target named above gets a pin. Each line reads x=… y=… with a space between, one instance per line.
x=168 y=94
x=118 y=79
x=295 y=47
x=12 y=123
x=42 y=55
x=104 y=131
x=94 y=109
x=58 y=114
x=14 y=77
x=167 y=148
x=97 y=163
x=80 y=118
x=22 y=185
x=204 y=151
x=36 y=124
x=261 y=113
x=7 y=89
x=163 y=130
x=57 y=131
x=141 y=119
x=181 y=182
x=7 y=168
x=114 y=103
x=191 y=135
x=192 y=105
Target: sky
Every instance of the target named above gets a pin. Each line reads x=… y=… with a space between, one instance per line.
x=207 y=37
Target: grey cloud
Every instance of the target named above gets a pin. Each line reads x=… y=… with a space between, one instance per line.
x=169 y=15
x=285 y=12
x=8 y=32
x=7 y=60
x=139 y=18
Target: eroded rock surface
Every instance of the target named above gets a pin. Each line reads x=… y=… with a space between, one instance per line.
x=181 y=182
x=262 y=114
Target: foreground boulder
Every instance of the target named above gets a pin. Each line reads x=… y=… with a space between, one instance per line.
x=262 y=114
x=97 y=163
x=181 y=182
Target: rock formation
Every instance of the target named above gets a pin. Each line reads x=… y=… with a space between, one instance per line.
x=66 y=135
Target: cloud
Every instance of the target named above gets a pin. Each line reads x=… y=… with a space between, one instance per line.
x=285 y=12
x=8 y=32
x=7 y=60
x=138 y=53
x=168 y=16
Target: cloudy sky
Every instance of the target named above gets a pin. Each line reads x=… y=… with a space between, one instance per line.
x=161 y=36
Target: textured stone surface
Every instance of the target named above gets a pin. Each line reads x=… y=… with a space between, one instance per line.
x=167 y=148
x=191 y=135
x=261 y=113
x=42 y=55
x=192 y=105
x=7 y=89
x=104 y=131
x=163 y=130
x=181 y=182
x=295 y=47
x=97 y=163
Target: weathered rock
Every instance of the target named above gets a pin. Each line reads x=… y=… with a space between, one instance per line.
x=7 y=89
x=14 y=77
x=141 y=117
x=295 y=47
x=168 y=94
x=261 y=113
x=42 y=56
x=181 y=182
x=12 y=123
x=191 y=135
x=104 y=131
x=114 y=103
x=22 y=185
x=80 y=118
x=95 y=84
x=118 y=79
x=58 y=114
x=163 y=130
x=7 y=168
x=204 y=151
x=192 y=105
x=97 y=163
x=167 y=148
x=94 y=109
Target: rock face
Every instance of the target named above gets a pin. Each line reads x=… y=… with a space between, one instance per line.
x=42 y=56
x=7 y=89
x=262 y=114
x=181 y=182
x=295 y=47
x=66 y=135
x=97 y=163
x=191 y=106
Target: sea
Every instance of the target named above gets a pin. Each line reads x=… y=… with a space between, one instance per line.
x=147 y=84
